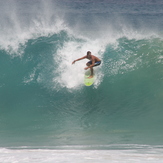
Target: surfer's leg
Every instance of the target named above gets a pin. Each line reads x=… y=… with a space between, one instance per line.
x=91 y=71
x=91 y=76
x=88 y=64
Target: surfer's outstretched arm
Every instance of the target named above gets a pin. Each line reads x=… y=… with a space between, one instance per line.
x=79 y=59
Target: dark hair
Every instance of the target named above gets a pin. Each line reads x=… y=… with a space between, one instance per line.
x=88 y=52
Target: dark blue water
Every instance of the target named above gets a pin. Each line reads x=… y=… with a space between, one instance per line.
x=43 y=101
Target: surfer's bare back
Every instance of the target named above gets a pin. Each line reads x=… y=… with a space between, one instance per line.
x=94 y=61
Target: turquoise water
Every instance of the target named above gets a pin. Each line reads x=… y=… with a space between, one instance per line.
x=43 y=100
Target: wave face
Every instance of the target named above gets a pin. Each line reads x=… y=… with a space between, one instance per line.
x=43 y=101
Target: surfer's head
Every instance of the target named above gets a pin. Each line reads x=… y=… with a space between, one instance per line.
x=88 y=54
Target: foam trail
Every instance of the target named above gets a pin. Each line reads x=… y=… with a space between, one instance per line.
x=71 y=76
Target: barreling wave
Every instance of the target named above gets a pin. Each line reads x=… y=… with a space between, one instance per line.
x=42 y=93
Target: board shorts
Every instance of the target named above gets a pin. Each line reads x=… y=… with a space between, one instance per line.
x=96 y=63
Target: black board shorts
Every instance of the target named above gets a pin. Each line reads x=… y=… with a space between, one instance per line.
x=96 y=63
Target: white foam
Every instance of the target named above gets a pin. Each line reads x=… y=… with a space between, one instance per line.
x=80 y=156
x=17 y=27
x=72 y=76
x=30 y=77
x=19 y=23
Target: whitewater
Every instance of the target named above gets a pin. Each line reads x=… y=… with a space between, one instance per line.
x=46 y=112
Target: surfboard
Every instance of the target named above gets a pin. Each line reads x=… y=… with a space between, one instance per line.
x=88 y=81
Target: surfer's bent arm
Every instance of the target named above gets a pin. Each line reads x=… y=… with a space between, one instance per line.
x=79 y=59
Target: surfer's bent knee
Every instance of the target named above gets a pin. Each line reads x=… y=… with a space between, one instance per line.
x=88 y=64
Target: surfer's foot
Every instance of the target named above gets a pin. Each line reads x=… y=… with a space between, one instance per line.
x=90 y=77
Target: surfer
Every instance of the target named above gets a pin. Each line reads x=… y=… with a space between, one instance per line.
x=94 y=61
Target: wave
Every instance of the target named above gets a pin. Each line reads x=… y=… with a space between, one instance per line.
x=24 y=21
x=43 y=95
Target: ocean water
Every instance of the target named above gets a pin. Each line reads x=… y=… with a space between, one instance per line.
x=46 y=112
